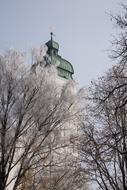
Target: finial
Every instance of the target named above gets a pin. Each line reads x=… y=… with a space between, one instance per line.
x=51 y=29
x=51 y=36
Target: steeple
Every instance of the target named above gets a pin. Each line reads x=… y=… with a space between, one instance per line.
x=64 y=67
x=53 y=46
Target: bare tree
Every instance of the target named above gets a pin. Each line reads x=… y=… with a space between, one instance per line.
x=32 y=109
x=104 y=146
x=119 y=43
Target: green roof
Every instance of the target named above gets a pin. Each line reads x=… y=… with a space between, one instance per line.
x=64 y=64
x=52 y=44
x=64 y=67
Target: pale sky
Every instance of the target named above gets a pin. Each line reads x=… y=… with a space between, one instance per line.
x=82 y=28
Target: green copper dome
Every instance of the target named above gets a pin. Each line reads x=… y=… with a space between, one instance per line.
x=64 y=67
x=52 y=44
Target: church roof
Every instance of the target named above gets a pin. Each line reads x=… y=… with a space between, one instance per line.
x=52 y=44
x=64 y=67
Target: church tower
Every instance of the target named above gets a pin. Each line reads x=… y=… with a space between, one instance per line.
x=65 y=157
x=64 y=67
